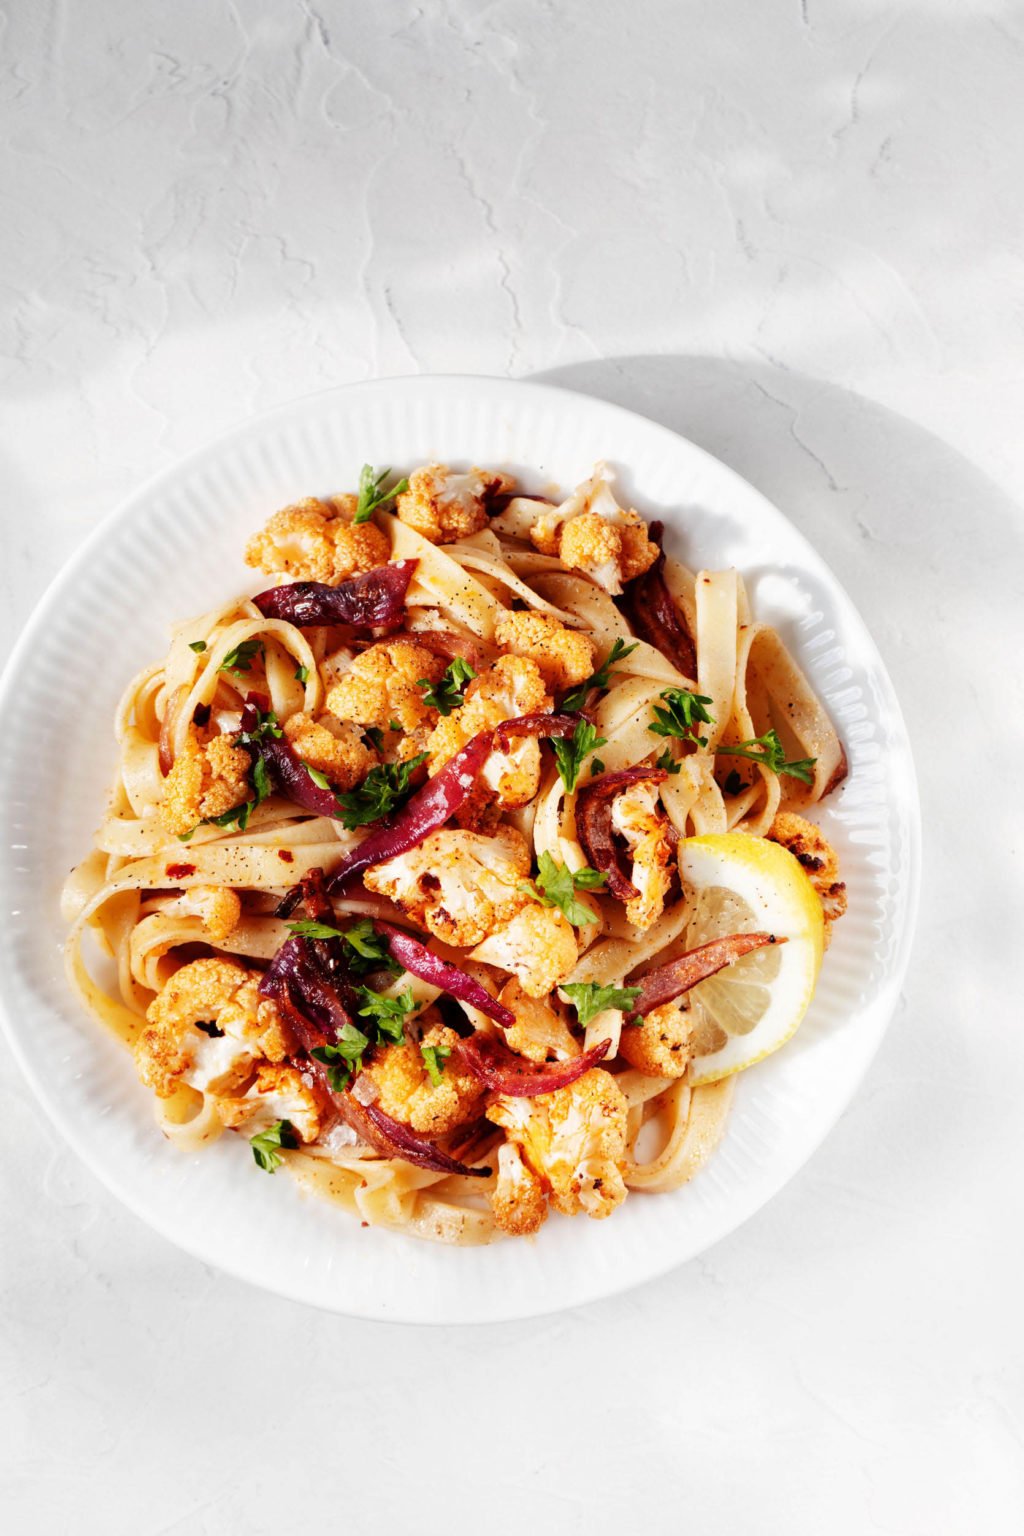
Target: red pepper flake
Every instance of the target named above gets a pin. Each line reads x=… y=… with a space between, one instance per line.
x=180 y=871
x=287 y=855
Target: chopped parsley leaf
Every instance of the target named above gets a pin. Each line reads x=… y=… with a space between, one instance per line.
x=344 y=1057
x=668 y=762
x=301 y=674
x=447 y=694
x=371 y=493
x=599 y=679
x=242 y=657
x=265 y=1143
x=589 y=999
x=596 y=767
x=768 y=749
x=684 y=713
x=384 y=788
x=569 y=755
x=434 y=1058
x=387 y=1013
x=369 y=948
x=197 y=645
x=558 y=886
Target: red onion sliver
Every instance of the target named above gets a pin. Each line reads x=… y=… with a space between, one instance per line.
x=428 y=809
x=651 y=610
x=502 y=1071
x=292 y=778
x=373 y=600
x=594 y=825
x=537 y=725
x=394 y=1139
x=670 y=981
x=443 y=642
x=419 y=961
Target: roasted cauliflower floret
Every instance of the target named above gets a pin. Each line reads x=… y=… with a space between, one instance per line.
x=519 y=1202
x=645 y=830
x=207 y=1027
x=444 y=505
x=588 y=532
x=458 y=885
x=278 y=1093
x=334 y=747
x=206 y=779
x=538 y=946
x=538 y=1033
x=662 y=1043
x=512 y=687
x=574 y=1140
x=315 y=540
x=406 y=1093
x=563 y=656
x=812 y=850
x=382 y=685
x=218 y=907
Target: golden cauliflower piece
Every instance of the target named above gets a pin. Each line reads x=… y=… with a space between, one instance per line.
x=519 y=1201
x=458 y=885
x=662 y=1043
x=563 y=656
x=588 y=532
x=315 y=540
x=636 y=818
x=207 y=1027
x=406 y=1093
x=538 y=946
x=574 y=1140
x=217 y=905
x=812 y=850
x=444 y=505
x=538 y=1033
x=512 y=687
x=278 y=1093
x=335 y=747
x=381 y=685
x=206 y=779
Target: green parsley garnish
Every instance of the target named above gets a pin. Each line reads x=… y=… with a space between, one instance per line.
x=589 y=999
x=344 y=1058
x=768 y=749
x=235 y=820
x=369 y=948
x=197 y=645
x=309 y=928
x=319 y=779
x=599 y=679
x=735 y=783
x=387 y=1013
x=447 y=694
x=668 y=762
x=384 y=788
x=301 y=674
x=569 y=755
x=265 y=1144
x=434 y=1058
x=558 y=886
x=596 y=767
x=242 y=657
x=394 y=726
x=266 y=726
x=371 y=493
x=684 y=713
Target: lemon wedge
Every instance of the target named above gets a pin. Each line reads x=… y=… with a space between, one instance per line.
x=743 y=884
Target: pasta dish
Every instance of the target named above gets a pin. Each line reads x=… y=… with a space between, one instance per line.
x=461 y=869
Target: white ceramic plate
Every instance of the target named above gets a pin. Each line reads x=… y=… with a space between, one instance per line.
x=176 y=548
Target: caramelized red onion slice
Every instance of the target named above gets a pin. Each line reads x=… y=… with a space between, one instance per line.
x=292 y=778
x=596 y=833
x=649 y=606
x=500 y=1070
x=670 y=981
x=373 y=600
x=394 y=1139
x=536 y=725
x=420 y=961
x=301 y=975
x=428 y=809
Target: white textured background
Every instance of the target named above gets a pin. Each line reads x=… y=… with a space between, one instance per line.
x=792 y=229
